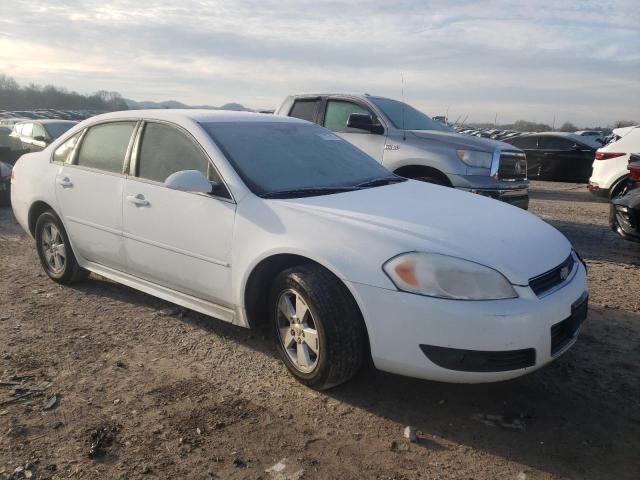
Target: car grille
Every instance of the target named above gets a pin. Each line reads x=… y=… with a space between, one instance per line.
x=552 y=278
x=513 y=166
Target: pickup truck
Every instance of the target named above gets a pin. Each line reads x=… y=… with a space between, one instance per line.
x=410 y=144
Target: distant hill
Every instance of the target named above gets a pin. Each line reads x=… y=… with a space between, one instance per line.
x=134 y=105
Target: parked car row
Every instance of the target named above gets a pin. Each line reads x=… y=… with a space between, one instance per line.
x=251 y=218
x=46 y=113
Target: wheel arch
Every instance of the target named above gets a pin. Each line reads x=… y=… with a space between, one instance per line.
x=255 y=290
x=37 y=208
x=615 y=186
x=413 y=171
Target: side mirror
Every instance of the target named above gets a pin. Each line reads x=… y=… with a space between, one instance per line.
x=363 y=121
x=192 y=181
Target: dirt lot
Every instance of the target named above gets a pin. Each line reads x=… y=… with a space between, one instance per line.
x=166 y=395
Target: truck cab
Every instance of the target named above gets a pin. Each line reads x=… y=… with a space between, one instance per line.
x=411 y=144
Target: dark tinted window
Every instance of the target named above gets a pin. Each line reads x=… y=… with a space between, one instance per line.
x=275 y=156
x=526 y=143
x=338 y=112
x=557 y=143
x=305 y=109
x=105 y=146
x=61 y=153
x=166 y=150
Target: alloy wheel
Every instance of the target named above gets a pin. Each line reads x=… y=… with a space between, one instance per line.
x=297 y=331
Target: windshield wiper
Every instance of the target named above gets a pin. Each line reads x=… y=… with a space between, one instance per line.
x=306 y=192
x=378 y=182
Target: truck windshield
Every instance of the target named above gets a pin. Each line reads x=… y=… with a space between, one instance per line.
x=299 y=159
x=413 y=119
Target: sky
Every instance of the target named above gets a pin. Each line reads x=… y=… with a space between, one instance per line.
x=536 y=60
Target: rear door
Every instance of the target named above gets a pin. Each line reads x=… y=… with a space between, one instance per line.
x=89 y=187
x=336 y=117
x=177 y=239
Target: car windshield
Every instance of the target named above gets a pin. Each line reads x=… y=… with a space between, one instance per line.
x=407 y=117
x=56 y=129
x=275 y=156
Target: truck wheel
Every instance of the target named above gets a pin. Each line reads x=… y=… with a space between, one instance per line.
x=318 y=327
x=54 y=250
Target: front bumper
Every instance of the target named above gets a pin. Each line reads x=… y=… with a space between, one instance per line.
x=515 y=192
x=401 y=324
x=518 y=198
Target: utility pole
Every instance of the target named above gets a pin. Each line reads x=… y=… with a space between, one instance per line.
x=495 y=120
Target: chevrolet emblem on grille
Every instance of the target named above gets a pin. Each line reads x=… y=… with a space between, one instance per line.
x=564 y=273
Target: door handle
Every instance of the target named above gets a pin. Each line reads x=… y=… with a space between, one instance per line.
x=65 y=182
x=138 y=200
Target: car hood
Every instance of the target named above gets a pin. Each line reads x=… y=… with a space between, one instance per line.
x=465 y=141
x=416 y=216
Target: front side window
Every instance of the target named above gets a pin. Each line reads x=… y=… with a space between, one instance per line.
x=338 y=112
x=104 y=147
x=61 y=154
x=305 y=109
x=166 y=150
x=38 y=131
x=406 y=117
x=275 y=156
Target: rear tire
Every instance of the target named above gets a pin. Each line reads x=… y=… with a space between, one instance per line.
x=55 y=252
x=318 y=327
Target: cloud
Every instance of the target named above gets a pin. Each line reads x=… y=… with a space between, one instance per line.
x=575 y=60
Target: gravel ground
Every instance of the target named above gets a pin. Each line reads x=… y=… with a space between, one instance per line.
x=101 y=381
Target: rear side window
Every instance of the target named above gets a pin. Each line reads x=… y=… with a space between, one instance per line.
x=61 y=154
x=105 y=146
x=526 y=143
x=338 y=113
x=557 y=143
x=166 y=150
x=38 y=131
x=305 y=109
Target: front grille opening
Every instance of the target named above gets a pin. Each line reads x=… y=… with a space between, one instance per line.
x=480 y=361
x=552 y=278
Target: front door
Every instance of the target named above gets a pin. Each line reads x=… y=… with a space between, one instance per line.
x=177 y=239
x=89 y=191
x=336 y=118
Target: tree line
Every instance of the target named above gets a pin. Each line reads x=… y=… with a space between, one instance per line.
x=13 y=96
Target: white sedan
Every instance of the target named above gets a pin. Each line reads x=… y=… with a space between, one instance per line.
x=253 y=218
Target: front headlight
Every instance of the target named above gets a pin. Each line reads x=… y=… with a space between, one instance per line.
x=475 y=158
x=443 y=276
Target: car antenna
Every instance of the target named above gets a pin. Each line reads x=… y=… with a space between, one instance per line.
x=404 y=131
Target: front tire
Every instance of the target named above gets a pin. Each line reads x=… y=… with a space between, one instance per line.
x=54 y=250
x=317 y=325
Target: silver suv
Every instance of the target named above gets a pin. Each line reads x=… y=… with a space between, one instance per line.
x=410 y=144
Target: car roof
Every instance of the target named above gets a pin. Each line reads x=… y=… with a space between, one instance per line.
x=197 y=115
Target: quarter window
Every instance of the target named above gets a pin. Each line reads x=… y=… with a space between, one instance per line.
x=166 y=150
x=338 y=112
x=61 y=154
x=305 y=109
x=105 y=146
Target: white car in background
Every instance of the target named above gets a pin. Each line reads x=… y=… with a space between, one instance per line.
x=610 y=173
x=256 y=218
